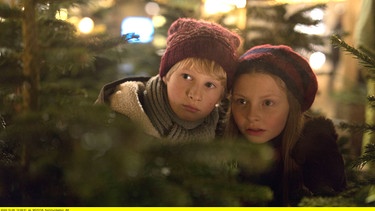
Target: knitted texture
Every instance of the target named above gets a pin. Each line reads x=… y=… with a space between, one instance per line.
x=292 y=68
x=200 y=39
x=167 y=123
x=125 y=101
x=155 y=117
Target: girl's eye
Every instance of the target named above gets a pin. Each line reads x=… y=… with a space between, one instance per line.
x=241 y=101
x=186 y=76
x=268 y=102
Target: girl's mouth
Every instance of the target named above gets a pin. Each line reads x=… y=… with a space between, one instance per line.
x=254 y=132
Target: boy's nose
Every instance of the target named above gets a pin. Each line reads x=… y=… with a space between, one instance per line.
x=195 y=94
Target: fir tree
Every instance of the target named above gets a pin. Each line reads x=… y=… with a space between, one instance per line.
x=271 y=24
x=360 y=170
x=58 y=149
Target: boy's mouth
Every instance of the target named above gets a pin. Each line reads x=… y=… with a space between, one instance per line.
x=190 y=108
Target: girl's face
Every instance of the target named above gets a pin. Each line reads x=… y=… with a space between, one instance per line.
x=259 y=106
x=192 y=95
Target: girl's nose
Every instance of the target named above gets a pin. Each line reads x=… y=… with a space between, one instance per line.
x=253 y=113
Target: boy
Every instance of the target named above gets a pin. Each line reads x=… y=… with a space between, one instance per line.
x=181 y=102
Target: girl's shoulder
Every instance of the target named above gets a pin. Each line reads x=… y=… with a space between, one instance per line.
x=319 y=157
x=318 y=135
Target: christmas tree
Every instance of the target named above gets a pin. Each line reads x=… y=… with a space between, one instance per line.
x=58 y=149
x=360 y=170
x=276 y=24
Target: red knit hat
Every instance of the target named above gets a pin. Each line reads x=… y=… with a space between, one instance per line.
x=197 y=38
x=288 y=65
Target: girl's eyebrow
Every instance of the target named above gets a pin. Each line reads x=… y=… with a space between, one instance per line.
x=238 y=95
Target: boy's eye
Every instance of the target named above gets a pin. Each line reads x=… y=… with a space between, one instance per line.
x=210 y=85
x=186 y=76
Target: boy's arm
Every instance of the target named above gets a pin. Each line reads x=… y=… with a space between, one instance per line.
x=108 y=89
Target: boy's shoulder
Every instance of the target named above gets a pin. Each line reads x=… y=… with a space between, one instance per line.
x=114 y=84
x=108 y=89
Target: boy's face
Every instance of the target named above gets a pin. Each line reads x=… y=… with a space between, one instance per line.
x=260 y=107
x=192 y=95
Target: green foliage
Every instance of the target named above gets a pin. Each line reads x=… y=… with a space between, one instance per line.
x=360 y=170
x=272 y=25
x=90 y=156
x=71 y=153
x=367 y=61
x=68 y=152
x=367 y=157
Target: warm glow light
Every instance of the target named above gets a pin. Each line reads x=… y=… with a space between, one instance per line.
x=303 y=1
x=158 y=21
x=86 y=25
x=317 y=14
x=105 y=3
x=62 y=14
x=317 y=60
x=318 y=29
x=159 y=41
x=239 y=3
x=152 y=8
x=217 y=6
x=74 y=20
x=212 y=7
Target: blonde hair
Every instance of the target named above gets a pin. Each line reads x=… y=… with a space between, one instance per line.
x=205 y=66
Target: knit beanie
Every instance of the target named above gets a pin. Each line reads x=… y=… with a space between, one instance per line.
x=292 y=68
x=197 y=38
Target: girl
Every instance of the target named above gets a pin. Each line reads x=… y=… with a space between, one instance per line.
x=272 y=90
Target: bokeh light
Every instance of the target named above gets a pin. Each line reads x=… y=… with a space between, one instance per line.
x=86 y=25
x=317 y=60
x=141 y=26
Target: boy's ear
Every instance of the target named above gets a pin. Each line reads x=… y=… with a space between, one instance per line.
x=164 y=78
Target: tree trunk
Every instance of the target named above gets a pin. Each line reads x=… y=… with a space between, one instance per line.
x=31 y=62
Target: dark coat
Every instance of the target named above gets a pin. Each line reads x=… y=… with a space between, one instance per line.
x=318 y=154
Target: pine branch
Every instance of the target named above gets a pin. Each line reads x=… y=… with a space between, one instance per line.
x=307 y=9
x=64 y=3
x=300 y=17
x=98 y=44
x=357 y=127
x=367 y=157
x=363 y=58
x=371 y=100
x=7 y=12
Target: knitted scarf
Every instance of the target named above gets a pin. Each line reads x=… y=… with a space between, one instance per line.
x=167 y=123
